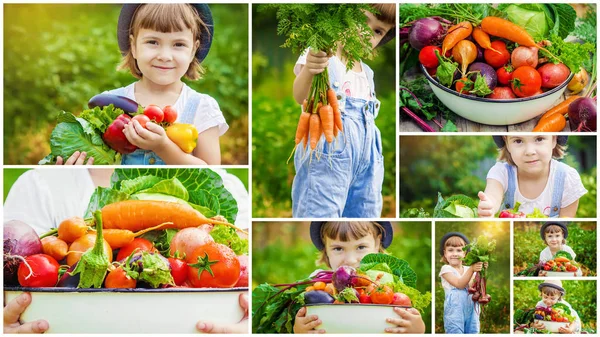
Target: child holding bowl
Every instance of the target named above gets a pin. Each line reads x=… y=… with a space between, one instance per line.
x=551 y=293
x=554 y=235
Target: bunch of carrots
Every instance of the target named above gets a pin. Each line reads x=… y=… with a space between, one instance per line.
x=320 y=115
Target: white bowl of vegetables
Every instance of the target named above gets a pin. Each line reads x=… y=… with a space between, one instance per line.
x=353 y=318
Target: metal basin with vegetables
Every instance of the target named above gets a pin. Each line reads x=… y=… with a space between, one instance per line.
x=172 y=310
x=552 y=326
x=354 y=318
x=494 y=111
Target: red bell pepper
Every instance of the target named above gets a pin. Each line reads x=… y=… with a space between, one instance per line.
x=115 y=138
x=512 y=213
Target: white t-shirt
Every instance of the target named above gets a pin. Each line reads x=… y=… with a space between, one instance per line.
x=353 y=84
x=449 y=269
x=546 y=255
x=572 y=191
x=43 y=198
x=573 y=313
x=208 y=114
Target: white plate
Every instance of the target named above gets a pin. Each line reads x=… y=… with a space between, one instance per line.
x=173 y=310
x=353 y=318
x=552 y=326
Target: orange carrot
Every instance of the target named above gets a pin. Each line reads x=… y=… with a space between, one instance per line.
x=554 y=123
x=55 y=247
x=137 y=215
x=315 y=130
x=505 y=29
x=335 y=105
x=455 y=34
x=561 y=108
x=326 y=114
x=118 y=238
x=483 y=39
x=302 y=130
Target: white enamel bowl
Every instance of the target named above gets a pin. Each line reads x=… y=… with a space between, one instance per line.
x=493 y=111
x=562 y=273
x=172 y=310
x=353 y=318
x=552 y=326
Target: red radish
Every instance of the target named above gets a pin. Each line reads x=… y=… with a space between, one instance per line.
x=553 y=74
x=524 y=56
x=401 y=299
x=502 y=93
x=188 y=239
x=582 y=115
x=243 y=280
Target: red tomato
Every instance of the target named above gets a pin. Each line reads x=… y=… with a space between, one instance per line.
x=213 y=265
x=142 y=119
x=179 y=270
x=505 y=74
x=502 y=93
x=43 y=273
x=526 y=81
x=118 y=278
x=494 y=58
x=364 y=298
x=137 y=243
x=382 y=295
x=170 y=114
x=154 y=113
x=401 y=299
x=427 y=56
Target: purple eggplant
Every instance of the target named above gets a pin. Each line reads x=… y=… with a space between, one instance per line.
x=318 y=297
x=101 y=100
x=68 y=281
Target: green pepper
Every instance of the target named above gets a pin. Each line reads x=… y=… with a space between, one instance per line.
x=184 y=135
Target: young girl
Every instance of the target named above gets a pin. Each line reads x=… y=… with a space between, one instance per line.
x=551 y=292
x=529 y=173
x=554 y=235
x=161 y=43
x=348 y=183
x=460 y=316
x=345 y=244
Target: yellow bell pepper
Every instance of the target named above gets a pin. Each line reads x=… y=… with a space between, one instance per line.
x=184 y=135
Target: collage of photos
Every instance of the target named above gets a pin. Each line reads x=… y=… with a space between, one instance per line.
x=270 y=168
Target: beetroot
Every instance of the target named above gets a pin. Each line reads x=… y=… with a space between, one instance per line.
x=115 y=138
x=425 y=32
x=582 y=115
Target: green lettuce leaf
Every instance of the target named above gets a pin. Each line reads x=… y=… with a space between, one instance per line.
x=419 y=301
x=562 y=253
x=399 y=267
x=228 y=236
x=100 y=119
x=456 y=206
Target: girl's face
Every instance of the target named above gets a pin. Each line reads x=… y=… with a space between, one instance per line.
x=164 y=58
x=454 y=255
x=550 y=300
x=554 y=240
x=350 y=253
x=531 y=154
x=378 y=27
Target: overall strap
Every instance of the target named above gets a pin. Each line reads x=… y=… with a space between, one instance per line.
x=189 y=111
x=509 y=196
x=557 y=189
x=335 y=77
x=370 y=76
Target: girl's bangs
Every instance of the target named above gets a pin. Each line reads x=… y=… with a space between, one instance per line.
x=167 y=18
x=553 y=229
x=455 y=241
x=347 y=231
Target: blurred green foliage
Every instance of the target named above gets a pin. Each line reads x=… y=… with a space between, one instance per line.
x=283 y=253
x=275 y=118
x=459 y=165
x=528 y=245
x=495 y=317
x=71 y=54
x=581 y=295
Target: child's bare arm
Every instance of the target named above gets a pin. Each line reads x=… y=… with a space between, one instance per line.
x=316 y=63
x=208 y=148
x=569 y=211
x=489 y=201
x=461 y=282
x=410 y=321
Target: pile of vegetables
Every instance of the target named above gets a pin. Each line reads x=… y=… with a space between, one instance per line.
x=491 y=51
x=479 y=250
x=561 y=262
x=380 y=279
x=98 y=131
x=155 y=245
x=323 y=27
x=559 y=312
x=515 y=213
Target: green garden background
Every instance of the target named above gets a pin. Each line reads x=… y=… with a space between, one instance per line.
x=459 y=165
x=58 y=56
x=496 y=314
x=528 y=245
x=275 y=117
x=282 y=252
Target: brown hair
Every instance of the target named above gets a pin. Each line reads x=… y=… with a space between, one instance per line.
x=386 y=13
x=551 y=229
x=165 y=18
x=503 y=155
x=552 y=292
x=348 y=231
x=453 y=241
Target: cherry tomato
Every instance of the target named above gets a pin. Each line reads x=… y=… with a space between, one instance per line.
x=213 y=265
x=494 y=58
x=179 y=270
x=154 y=113
x=142 y=119
x=43 y=273
x=505 y=74
x=464 y=85
x=137 y=243
x=382 y=295
x=170 y=114
x=118 y=278
x=427 y=56
x=526 y=81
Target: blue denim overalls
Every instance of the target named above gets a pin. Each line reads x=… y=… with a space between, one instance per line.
x=145 y=157
x=346 y=180
x=460 y=316
x=557 y=188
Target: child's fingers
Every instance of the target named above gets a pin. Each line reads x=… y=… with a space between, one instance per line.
x=90 y=161
x=482 y=196
x=397 y=321
x=151 y=126
x=59 y=160
x=484 y=213
x=73 y=158
x=312 y=325
x=81 y=158
x=301 y=312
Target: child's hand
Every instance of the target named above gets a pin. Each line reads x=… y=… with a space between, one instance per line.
x=485 y=265
x=537 y=325
x=240 y=327
x=485 y=207
x=316 y=62
x=410 y=321
x=77 y=158
x=305 y=324
x=152 y=138
x=569 y=329
x=12 y=312
x=477 y=266
x=542 y=273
